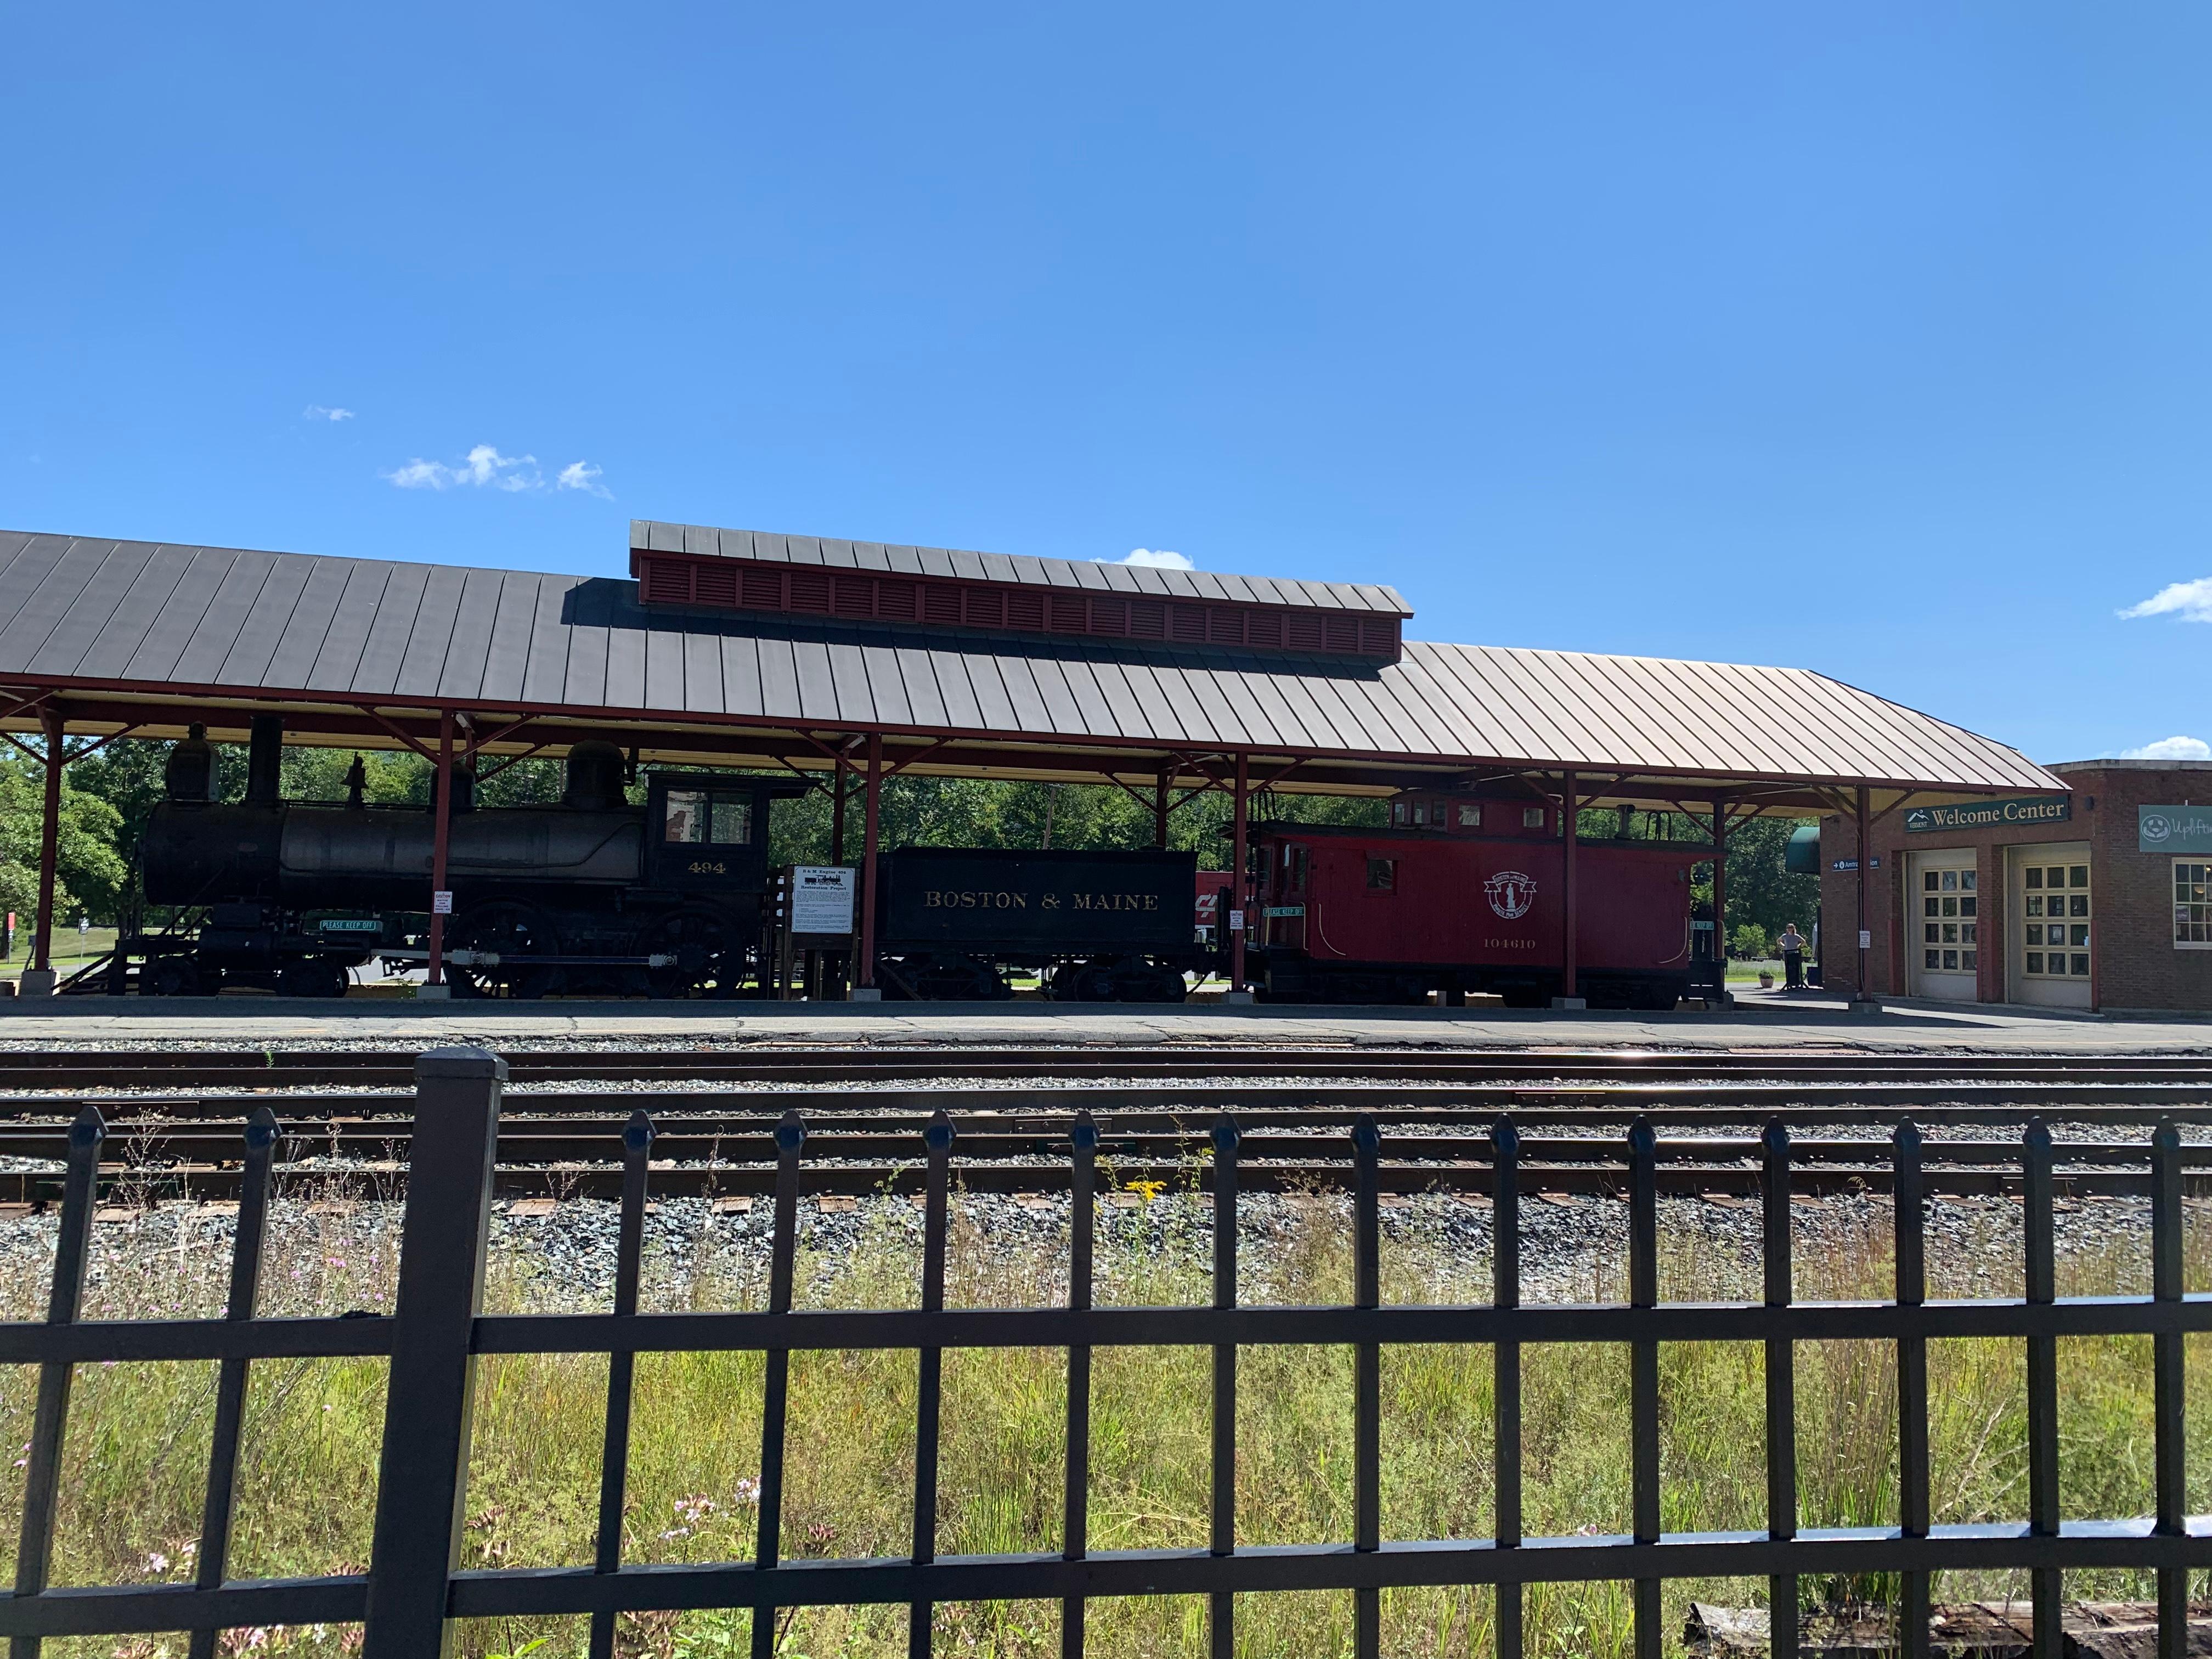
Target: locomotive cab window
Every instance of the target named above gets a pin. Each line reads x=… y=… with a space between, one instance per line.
x=699 y=817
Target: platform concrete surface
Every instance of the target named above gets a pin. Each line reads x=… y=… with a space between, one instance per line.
x=1762 y=1022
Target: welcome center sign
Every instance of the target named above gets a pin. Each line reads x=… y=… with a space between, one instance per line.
x=1989 y=814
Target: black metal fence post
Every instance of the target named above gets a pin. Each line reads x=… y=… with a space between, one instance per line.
x=1505 y=1374
x=42 y=1472
x=622 y=1371
x=2046 y=1588
x=230 y=1378
x=1912 y=1479
x=1781 y=1392
x=1366 y=1380
x=2166 y=1395
x=422 y=1475
x=929 y=1380
x=1221 y=1605
x=776 y=1379
x=1075 y=1529
x=1643 y=1372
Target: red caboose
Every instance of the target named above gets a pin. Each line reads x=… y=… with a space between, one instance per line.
x=1466 y=894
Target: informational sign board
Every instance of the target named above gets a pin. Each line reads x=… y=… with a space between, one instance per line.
x=1853 y=864
x=2173 y=829
x=1989 y=814
x=441 y=904
x=822 y=898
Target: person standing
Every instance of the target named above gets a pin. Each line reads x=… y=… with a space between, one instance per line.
x=1793 y=959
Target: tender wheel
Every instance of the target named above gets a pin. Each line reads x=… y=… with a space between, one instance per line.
x=1146 y=982
x=315 y=977
x=710 y=949
x=1082 y=982
x=515 y=932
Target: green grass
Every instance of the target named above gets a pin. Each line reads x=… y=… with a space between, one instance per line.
x=137 y=1452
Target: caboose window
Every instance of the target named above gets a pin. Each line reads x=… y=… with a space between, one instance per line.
x=1420 y=812
x=1469 y=816
x=1532 y=817
x=1382 y=875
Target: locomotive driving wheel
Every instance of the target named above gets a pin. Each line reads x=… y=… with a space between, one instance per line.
x=513 y=931
x=707 y=950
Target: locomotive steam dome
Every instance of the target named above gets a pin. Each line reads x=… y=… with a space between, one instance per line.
x=594 y=780
x=192 y=773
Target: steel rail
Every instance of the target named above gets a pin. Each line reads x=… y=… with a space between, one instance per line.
x=392 y=1069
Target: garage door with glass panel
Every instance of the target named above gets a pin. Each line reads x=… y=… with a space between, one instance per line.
x=2051 y=918
x=1945 y=958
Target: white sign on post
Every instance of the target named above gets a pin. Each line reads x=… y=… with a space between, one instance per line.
x=441 y=904
x=1236 y=922
x=1866 y=938
x=822 y=898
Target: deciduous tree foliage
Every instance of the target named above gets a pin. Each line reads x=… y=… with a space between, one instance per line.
x=88 y=868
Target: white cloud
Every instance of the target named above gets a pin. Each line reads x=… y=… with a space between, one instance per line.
x=582 y=475
x=1160 y=559
x=317 y=412
x=485 y=467
x=2171 y=748
x=2192 y=600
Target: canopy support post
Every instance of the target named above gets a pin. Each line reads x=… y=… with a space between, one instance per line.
x=434 y=984
x=1239 y=881
x=1720 y=901
x=871 y=819
x=1160 y=809
x=1569 y=839
x=1863 y=999
x=39 y=978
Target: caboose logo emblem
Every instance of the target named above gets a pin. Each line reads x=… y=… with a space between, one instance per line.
x=1510 y=894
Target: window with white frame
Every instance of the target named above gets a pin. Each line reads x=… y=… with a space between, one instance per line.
x=1950 y=928
x=2192 y=904
x=2048 y=893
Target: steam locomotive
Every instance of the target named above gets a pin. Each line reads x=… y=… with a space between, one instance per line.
x=596 y=896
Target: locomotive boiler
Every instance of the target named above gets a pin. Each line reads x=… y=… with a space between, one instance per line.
x=592 y=894
x=1466 y=894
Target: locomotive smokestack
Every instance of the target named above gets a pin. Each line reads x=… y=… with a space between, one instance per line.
x=264 y=761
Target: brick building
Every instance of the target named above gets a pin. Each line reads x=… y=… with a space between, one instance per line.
x=2102 y=899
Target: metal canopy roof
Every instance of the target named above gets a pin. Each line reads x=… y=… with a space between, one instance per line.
x=648 y=535
x=149 y=634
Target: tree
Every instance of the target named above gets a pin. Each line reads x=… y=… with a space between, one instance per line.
x=87 y=867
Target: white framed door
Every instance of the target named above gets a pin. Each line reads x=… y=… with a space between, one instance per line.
x=1945 y=958
x=2049 y=918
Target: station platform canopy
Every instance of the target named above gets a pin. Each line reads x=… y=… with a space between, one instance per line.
x=741 y=648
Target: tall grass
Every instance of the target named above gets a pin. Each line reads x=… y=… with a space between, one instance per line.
x=136 y=1450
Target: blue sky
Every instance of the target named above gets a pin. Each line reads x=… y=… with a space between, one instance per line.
x=1872 y=339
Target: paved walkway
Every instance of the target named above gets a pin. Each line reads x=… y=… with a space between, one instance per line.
x=1764 y=1020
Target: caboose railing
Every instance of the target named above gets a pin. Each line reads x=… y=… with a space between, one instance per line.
x=412 y=1587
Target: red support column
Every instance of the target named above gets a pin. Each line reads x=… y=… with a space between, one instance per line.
x=1240 y=883
x=1571 y=835
x=1865 y=992
x=837 y=812
x=1160 y=809
x=442 y=819
x=50 y=835
x=870 y=819
x=1719 y=899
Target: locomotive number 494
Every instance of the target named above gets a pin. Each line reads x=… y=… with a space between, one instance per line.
x=707 y=867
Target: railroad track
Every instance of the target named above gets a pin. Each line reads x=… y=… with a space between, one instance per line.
x=282 y=1068
x=344 y=1121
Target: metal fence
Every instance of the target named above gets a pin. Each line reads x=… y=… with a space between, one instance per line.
x=413 y=1587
